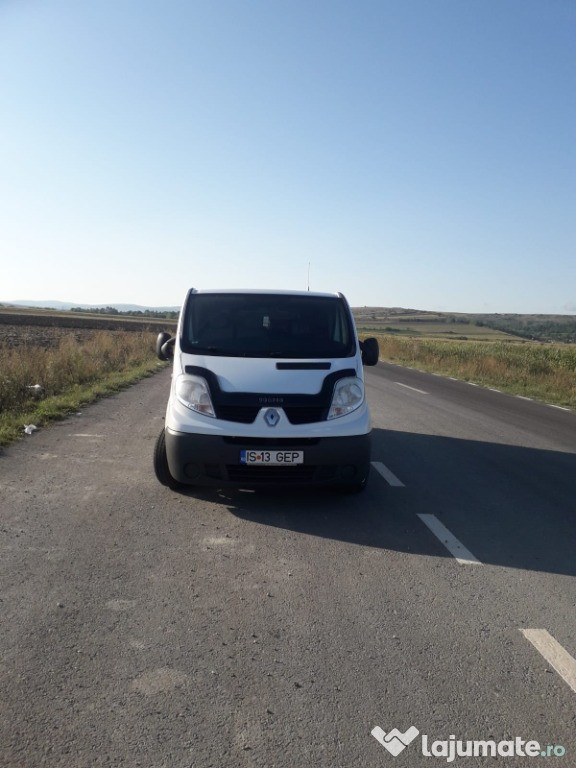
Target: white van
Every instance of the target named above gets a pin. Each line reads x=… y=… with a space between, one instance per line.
x=267 y=388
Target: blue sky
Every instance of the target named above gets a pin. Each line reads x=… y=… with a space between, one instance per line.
x=417 y=153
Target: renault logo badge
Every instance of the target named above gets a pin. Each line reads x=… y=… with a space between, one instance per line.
x=271 y=417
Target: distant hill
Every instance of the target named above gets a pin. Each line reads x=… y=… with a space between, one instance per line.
x=398 y=320
x=67 y=305
x=537 y=327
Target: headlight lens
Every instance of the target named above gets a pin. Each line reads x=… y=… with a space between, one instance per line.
x=348 y=395
x=193 y=392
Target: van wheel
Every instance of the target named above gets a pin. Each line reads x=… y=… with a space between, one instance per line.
x=161 y=468
x=358 y=486
x=353 y=487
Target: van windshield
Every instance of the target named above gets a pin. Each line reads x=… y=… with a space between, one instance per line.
x=267 y=325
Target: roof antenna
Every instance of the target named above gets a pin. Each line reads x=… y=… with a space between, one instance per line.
x=308 y=275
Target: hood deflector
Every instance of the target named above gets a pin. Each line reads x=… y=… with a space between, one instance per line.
x=243 y=407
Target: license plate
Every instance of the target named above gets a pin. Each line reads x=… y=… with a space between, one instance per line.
x=277 y=458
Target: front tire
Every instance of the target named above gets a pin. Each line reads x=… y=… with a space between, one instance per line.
x=161 y=468
x=349 y=488
x=358 y=486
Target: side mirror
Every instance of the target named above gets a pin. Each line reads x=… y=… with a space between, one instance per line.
x=165 y=346
x=370 y=351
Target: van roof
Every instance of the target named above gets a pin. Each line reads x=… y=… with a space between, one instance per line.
x=265 y=292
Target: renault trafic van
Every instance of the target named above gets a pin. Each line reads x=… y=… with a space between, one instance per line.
x=267 y=388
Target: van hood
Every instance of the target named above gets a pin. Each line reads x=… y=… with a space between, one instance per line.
x=263 y=375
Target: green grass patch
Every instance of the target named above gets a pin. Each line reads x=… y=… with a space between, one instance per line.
x=434 y=330
x=545 y=372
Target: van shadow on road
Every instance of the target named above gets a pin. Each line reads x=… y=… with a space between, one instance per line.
x=510 y=506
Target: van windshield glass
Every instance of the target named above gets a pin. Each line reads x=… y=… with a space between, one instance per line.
x=267 y=325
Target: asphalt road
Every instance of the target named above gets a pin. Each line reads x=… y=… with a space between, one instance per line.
x=143 y=627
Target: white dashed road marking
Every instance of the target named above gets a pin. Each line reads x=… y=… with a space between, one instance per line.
x=554 y=653
x=455 y=547
x=389 y=476
x=420 y=391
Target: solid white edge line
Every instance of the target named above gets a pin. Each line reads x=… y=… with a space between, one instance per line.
x=389 y=476
x=557 y=656
x=421 y=391
x=452 y=544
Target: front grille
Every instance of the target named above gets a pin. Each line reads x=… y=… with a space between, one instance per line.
x=255 y=475
x=246 y=414
x=305 y=415
x=242 y=414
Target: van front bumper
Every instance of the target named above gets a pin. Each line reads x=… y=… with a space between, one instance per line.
x=209 y=460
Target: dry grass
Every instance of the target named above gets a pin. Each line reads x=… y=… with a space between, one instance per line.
x=543 y=371
x=71 y=373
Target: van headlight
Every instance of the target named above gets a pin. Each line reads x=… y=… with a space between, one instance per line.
x=194 y=393
x=348 y=395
